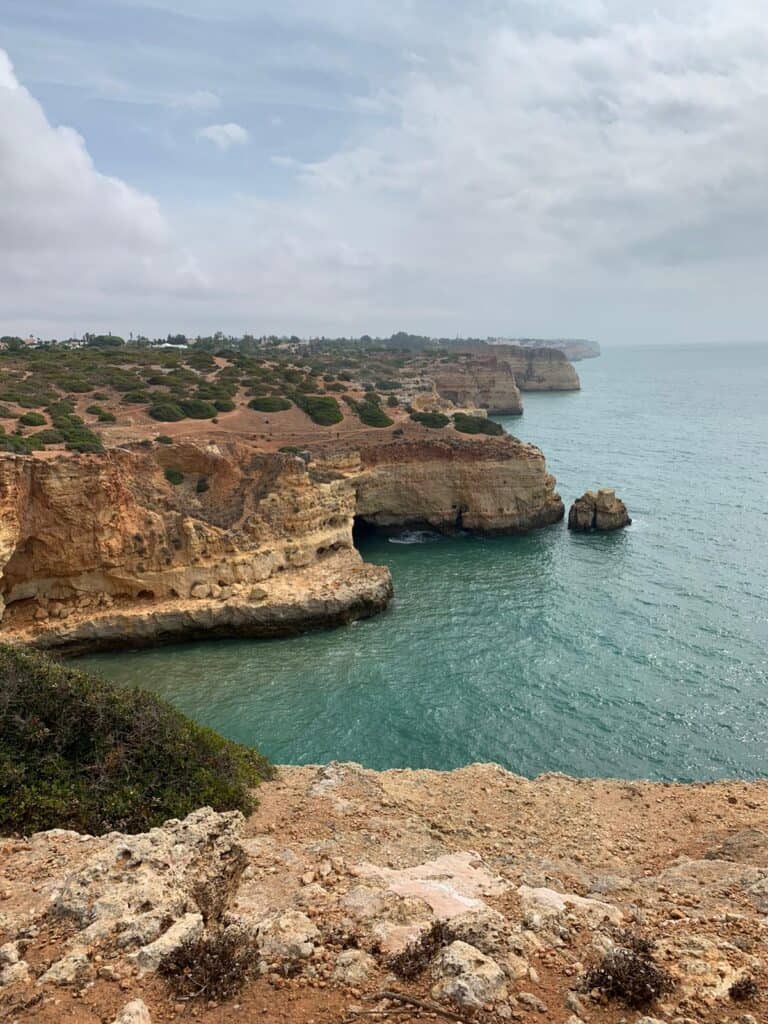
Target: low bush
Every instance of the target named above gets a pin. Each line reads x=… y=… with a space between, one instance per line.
x=197 y=409
x=269 y=403
x=164 y=439
x=372 y=415
x=224 y=404
x=49 y=436
x=166 y=412
x=629 y=974
x=434 y=420
x=321 y=409
x=476 y=424
x=78 y=753
x=174 y=476
x=32 y=419
x=214 y=966
x=202 y=485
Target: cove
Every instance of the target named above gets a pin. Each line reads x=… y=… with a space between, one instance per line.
x=638 y=654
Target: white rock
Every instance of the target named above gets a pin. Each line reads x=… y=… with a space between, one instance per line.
x=200 y=591
x=14 y=972
x=148 y=958
x=468 y=977
x=287 y=936
x=541 y=905
x=135 y=1012
x=9 y=954
x=354 y=967
x=70 y=969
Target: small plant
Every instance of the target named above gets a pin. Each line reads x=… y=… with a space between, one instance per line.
x=216 y=965
x=166 y=412
x=174 y=476
x=629 y=974
x=418 y=955
x=743 y=989
x=164 y=439
x=202 y=485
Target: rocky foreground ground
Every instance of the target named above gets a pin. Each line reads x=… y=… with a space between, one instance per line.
x=485 y=896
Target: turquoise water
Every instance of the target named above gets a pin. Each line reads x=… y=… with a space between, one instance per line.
x=637 y=654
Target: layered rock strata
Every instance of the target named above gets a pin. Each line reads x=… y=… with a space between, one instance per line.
x=500 y=485
x=486 y=383
x=190 y=540
x=598 y=510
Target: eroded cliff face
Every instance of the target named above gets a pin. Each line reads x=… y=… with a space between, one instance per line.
x=488 y=384
x=247 y=542
x=538 y=369
x=500 y=485
x=105 y=551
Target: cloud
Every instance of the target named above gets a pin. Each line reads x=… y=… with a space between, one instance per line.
x=74 y=242
x=200 y=100
x=224 y=136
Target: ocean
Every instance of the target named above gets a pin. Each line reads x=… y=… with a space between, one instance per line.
x=639 y=654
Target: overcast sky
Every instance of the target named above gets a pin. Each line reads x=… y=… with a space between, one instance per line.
x=593 y=168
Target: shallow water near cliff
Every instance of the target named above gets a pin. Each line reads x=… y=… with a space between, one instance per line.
x=637 y=654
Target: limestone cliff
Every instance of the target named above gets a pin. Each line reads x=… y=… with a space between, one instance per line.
x=161 y=542
x=498 y=486
x=534 y=369
x=485 y=383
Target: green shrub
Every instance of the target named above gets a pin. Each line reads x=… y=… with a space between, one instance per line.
x=321 y=409
x=32 y=419
x=224 y=404
x=476 y=424
x=174 y=476
x=392 y=401
x=197 y=409
x=50 y=436
x=107 y=417
x=6 y=413
x=202 y=485
x=371 y=414
x=269 y=403
x=166 y=412
x=434 y=420
x=77 y=753
x=164 y=439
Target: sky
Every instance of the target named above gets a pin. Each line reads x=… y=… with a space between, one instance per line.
x=538 y=168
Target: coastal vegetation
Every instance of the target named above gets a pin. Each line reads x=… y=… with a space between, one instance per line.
x=78 y=753
x=476 y=425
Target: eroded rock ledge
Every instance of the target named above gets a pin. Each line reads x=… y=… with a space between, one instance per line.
x=341 y=869
x=106 y=551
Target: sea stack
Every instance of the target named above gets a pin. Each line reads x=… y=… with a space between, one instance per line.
x=598 y=510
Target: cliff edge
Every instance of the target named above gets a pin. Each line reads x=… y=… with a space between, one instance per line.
x=193 y=539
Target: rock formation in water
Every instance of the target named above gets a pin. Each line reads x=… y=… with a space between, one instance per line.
x=598 y=510
x=498 y=486
x=161 y=542
x=496 y=897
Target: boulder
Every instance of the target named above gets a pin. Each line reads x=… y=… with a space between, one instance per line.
x=188 y=927
x=353 y=967
x=135 y=1012
x=70 y=970
x=468 y=977
x=12 y=973
x=598 y=510
x=287 y=936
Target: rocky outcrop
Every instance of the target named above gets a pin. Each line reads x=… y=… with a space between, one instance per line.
x=486 y=893
x=598 y=510
x=499 y=485
x=534 y=369
x=483 y=383
x=165 y=542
